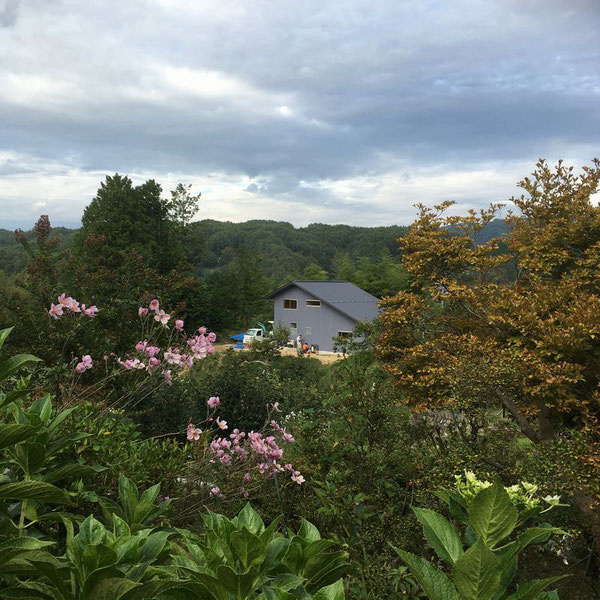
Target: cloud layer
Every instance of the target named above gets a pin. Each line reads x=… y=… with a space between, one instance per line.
x=311 y=111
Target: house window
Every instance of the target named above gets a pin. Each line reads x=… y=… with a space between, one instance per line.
x=307 y=330
x=293 y=329
x=313 y=303
x=344 y=334
x=289 y=303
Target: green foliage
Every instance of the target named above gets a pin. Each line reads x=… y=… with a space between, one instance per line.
x=485 y=570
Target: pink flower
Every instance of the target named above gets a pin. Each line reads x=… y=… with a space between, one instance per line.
x=201 y=330
x=154 y=305
x=247 y=477
x=152 y=350
x=56 y=310
x=276 y=407
x=213 y=402
x=64 y=300
x=212 y=337
x=80 y=368
x=167 y=375
x=141 y=346
x=153 y=362
x=179 y=324
x=297 y=478
x=210 y=350
x=73 y=305
x=215 y=491
x=87 y=361
x=142 y=312
x=221 y=424
x=288 y=437
x=193 y=433
x=162 y=317
x=90 y=312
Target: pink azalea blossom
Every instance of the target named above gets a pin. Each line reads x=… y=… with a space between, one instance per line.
x=213 y=402
x=288 y=437
x=193 y=433
x=211 y=337
x=221 y=424
x=80 y=368
x=142 y=312
x=167 y=375
x=162 y=317
x=179 y=324
x=56 y=310
x=210 y=350
x=141 y=346
x=87 y=361
x=154 y=305
x=201 y=330
x=215 y=491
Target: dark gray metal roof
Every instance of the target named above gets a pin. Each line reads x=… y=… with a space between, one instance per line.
x=341 y=295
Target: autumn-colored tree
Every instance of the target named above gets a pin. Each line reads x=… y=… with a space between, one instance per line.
x=468 y=337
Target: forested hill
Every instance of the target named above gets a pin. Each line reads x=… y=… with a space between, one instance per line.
x=285 y=249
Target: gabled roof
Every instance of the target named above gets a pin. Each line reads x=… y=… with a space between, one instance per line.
x=344 y=296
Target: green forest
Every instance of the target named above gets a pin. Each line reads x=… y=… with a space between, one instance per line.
x=452 y=452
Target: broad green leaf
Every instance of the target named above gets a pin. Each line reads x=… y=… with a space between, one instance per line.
x=536 y=535
x=43 y=408
x=287 y=581
x=477 y=573
x=91 y=531
x=4 y=333
x=432 y=581
x=250 y=519
x=275 y=593
x=112 y=588
x=308 y=531
x=532 y=589
x=14 y=363
x=441 y=534
x=247 y=547
x=151 y=493
x=14 y=433
x=492 y=515
x=14 y=547
x=275 y=550
x=34 y=490
x=335 y=591
x=30 y=456
x=293 y=556
x=69 y=471
x=239 y=584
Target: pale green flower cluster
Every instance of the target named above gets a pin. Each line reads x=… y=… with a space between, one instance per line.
x=521 y=494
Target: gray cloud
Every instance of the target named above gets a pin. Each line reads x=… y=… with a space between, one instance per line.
x=294 y=103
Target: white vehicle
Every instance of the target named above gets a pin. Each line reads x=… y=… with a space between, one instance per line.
x=257 y=334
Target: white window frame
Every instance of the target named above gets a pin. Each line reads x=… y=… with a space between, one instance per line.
x=293 y=330
x=308 y=330
x=290 y=300
x=345 y=334
x=313 y=303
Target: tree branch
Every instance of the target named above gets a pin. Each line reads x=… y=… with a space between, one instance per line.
x=524 y=424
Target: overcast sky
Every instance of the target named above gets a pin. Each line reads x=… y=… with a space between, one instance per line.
x=304 y=111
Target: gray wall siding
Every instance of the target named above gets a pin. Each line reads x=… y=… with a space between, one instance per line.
x=324 y=321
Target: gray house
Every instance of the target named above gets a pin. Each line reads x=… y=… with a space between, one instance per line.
x=322 y=310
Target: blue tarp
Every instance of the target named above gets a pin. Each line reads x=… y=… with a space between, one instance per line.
x=238 y=337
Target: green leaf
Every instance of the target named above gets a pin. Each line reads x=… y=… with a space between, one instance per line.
x=275 y=593
x=4 y=333
x=70 y=471
x=432 y=581
x=239 y=584
x=531 y=589
x=111 y=588
x=14 y=363
x=536 y=535
x=34 y=490
x=492 y=515
x=30 y=456
x=477 y=573
x=335 y=591
x=43 y=408
x=248 y=548
x=250 y=519
x=287 y=581
x=308 y=531
x=441 y=534
x=14 y=433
